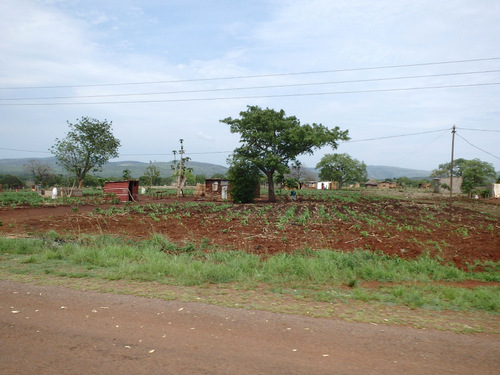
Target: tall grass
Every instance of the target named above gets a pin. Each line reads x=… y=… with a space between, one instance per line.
x=322 y=275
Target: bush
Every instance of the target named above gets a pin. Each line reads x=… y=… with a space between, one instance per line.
x=245 y=178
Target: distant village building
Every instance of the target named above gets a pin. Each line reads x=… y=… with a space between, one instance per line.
x=442 y=185
x=387 y=185
x=319 y=185
x=494 y=190
x=217 y=189
x=371 y=183
x=124 y=190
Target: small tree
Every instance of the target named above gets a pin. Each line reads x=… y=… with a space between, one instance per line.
x=127 y=174
x=41 y=172
x=300 y=173
x=271 y=141
x=87 y=147
x=341 y=168
x=152 y=174
x=244 y=178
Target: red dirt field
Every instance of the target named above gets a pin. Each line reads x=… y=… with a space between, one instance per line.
x=461 y=232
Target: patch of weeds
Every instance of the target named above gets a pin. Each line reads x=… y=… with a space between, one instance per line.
x=464 y=232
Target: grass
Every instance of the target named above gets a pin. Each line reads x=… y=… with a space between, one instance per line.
x=324 y=276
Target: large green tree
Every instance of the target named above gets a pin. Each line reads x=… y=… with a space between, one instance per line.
x=474 y=172
x=87 y=147
x=443 y=170
x=271 y=141
x=341 y=168
x=477 y=173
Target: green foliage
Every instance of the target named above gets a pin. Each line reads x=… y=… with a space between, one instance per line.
x=342 y=168
x=151 y=175
x=271 y=141
x=443 y=170
x=314 y=274
x=87 y=147
x=14 y=199
x=126 y=174
x=244 y=178
x=9 y=181
x=476 y=173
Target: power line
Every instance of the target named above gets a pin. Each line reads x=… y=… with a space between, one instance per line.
x=261 y=96
x=256 y=76
x=427 y=144
x=225 y=152
x=254 y=87
x=397 y=136
x=480 y=130
x=14 y=149
x=480 y=149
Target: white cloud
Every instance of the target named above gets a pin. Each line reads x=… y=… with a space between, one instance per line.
x=50 y=43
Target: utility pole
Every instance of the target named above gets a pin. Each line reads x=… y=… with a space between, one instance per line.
x=453 y=131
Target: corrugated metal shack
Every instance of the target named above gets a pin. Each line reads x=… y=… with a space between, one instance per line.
x=125 y=190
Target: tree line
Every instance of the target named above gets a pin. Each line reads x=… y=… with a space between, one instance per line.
x=270 y=144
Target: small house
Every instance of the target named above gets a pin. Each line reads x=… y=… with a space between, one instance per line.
x=494 y=190
x=217 y=188
x=126 y=191
x=319 y=185
x=442 y=185
x=387 y=185
x=371 y=183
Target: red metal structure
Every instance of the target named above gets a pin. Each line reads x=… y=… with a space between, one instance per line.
x=125 y=190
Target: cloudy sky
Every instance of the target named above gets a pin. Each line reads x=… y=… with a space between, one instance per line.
x=397 y=74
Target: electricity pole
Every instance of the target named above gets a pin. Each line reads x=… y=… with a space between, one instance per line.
x=453 y=131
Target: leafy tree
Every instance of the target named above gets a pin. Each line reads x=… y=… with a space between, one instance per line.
x=341 y=168
x=271 y=141
x=87 y=147
x=127 y=174
x=476 y=173
x=200 y=178
x=218 y=175
x=94 y=181
x=409 y=182
x=8 y=181
x=152 y=174
x=443 y=170
x=244 y=178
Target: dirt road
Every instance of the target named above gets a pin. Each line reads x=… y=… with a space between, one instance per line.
x=54 y=330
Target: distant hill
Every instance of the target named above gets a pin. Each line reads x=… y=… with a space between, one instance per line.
x=112 y=169
x=380 y=172
x=115 y=169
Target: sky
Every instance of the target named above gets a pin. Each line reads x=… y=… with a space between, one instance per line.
x=397 y=74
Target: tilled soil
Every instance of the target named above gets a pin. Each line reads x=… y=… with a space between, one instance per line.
x=454 y=233
x=54 y=330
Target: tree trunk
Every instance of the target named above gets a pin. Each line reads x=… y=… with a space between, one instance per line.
x=270 y=184
x=80 y=183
